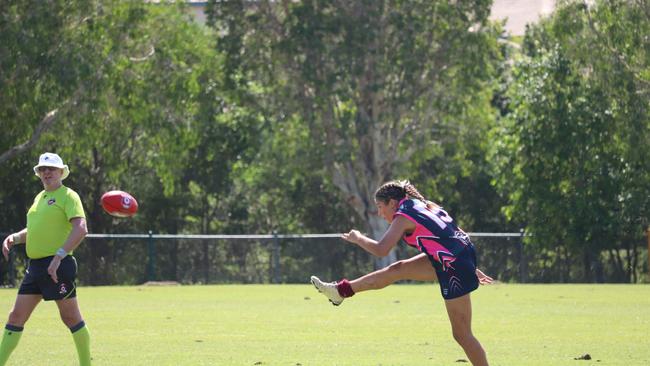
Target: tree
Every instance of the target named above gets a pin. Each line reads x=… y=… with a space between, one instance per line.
x=572 y=156
x=371 y=79
x=141 y=103
x=39 y=86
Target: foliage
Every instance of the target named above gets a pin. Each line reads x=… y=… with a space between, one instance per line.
x=573 y=154
x=144 y=100
x=285 y=116
x=372 y=82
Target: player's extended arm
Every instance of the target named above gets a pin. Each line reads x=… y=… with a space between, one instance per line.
x=382 y=247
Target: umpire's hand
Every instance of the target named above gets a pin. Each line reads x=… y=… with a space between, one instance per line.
x=6 y=246
x=53 y=267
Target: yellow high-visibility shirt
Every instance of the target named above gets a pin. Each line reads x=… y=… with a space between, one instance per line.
x=48 y=221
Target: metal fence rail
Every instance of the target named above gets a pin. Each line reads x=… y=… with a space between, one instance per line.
x=110 y=259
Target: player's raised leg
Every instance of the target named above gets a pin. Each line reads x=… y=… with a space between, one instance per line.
x=71 y=317
x=22 y=310
x=417 y=268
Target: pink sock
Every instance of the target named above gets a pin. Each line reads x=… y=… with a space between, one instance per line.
x=344 y=288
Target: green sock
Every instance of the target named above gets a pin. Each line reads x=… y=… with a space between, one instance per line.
x=81 y=338
x=10 y=340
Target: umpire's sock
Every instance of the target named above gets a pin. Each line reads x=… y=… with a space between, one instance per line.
x=81 y=338
x=10 y=340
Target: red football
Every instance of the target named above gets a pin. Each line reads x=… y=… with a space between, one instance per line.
x=119 y=204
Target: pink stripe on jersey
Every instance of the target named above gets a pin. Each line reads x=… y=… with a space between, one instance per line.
x=426 y=238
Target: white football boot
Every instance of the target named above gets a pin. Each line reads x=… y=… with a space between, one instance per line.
x=328 y=289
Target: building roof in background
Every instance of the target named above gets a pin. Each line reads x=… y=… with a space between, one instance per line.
x=520 y=12
x=517 y=12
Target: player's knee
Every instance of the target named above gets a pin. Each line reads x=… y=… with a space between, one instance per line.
x=462 y=336
x=396 y=268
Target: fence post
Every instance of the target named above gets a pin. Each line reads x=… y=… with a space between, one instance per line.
x=151 y=264
x=523 y=264
x=206 y=262
x=647 y=235
x=275 y=258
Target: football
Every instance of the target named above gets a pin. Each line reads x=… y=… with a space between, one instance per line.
x=119 y=204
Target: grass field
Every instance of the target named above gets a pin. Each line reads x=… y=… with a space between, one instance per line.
x=295 y=325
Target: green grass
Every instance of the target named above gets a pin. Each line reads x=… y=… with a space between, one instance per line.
x=293 y=324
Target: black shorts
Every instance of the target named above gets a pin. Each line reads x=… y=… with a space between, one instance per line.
x=38 y=282
x=460 y=278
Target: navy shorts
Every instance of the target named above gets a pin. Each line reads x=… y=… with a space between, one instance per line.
x=38 y=282
x=460 y=278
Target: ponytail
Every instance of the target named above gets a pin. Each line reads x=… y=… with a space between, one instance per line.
x=412 y=192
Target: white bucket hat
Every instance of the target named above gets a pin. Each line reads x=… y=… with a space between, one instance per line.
x=53 y=160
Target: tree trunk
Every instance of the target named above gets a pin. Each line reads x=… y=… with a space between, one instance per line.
x=635 y=261
x=378 y=227
x=359 y=189
x=629 y=267
x=97 y=222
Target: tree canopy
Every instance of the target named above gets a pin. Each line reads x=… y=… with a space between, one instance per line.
x=573 y=152
x=285 y=116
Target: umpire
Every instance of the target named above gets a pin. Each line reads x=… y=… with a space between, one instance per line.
x=56 y=225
